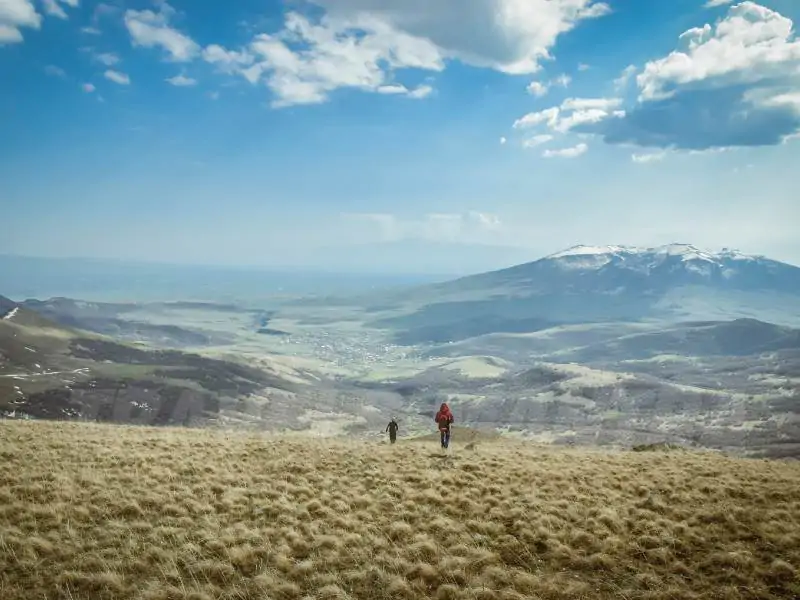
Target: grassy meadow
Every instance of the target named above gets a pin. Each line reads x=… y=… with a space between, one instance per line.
x=106 y=512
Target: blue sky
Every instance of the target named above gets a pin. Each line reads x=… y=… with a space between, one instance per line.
x=267 y=132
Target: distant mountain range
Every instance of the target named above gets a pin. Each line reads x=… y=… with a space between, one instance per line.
x=586 y=284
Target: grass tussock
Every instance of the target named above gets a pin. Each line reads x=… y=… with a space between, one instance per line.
x=101 y=512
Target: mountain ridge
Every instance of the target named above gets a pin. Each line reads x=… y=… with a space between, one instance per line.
x=592 y=284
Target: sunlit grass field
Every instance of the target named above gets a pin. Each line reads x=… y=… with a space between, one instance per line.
x=93 y=511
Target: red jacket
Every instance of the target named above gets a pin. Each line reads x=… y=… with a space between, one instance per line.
x=444 y=417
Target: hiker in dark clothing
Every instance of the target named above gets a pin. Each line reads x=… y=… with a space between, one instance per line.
x=392 y=429
x=444 y=418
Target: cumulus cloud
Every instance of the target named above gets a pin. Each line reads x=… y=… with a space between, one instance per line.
x=573 y=152
x=14 y=15
x=150 y=29
x=733 y=84
x=306 y=61
x=537 y=140
x=714 y=3
x=108 y=59
x=512 y=36
x=621 y=82
x=540 y=88
x=572 y=113
x=420 y=92
x=52 y=8
x=648 y=158
x=228 y=61
x=361 y=43
x=181 y=81
x=117 y=77
x=393 y=89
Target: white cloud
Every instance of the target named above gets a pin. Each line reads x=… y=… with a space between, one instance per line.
x=55 y=71
x=228 y=61
x=360 y=43
x=88 y=88
x=181 y=81
x=503 y=141
x=91 y=31
x=52 y=8
x=583 y=67
x=213 y=95
x=538 y=89
x=648 y=158
x=572 y=113
x=486 y=220
x=563 y=80
x=470 y=226
x=515 y=35
x=573 y=152
x=549 y=115
x=752 y=44
x=392 y=89
x=149 y=29
x=396 y=89
x=15 y=14
x=108 y=59
x=304 y=62
x=621 y=82
x=714 y=3
x=732 y=84
x=537 y=140
x=420 y=92
x=117 y=77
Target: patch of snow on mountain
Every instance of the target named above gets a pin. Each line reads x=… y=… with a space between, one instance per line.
x=687 y=252
x=11 y=314
x=589 y=251
x=579 y=261
x=731 y=254
x=645 y=259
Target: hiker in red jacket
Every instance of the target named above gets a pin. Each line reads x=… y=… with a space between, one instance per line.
x=444 y=418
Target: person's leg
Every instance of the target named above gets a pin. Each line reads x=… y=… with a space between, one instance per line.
x=447 y=439
x=441 y=435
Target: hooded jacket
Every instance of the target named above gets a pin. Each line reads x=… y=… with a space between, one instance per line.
x=444 y=418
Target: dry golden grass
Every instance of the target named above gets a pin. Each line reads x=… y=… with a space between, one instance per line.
x=89 y=511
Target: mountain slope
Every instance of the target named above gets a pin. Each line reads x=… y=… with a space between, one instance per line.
x=598 y=284
x=51 y=371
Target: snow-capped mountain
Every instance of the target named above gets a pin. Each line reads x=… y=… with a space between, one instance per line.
x=651 y=257
x=677 y=282
x=606 y=268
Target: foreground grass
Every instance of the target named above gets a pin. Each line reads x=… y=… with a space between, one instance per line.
x=90 y=511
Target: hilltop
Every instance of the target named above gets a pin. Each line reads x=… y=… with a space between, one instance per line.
x=109 y=512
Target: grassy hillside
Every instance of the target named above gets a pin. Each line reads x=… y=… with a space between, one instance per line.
x=98 y=511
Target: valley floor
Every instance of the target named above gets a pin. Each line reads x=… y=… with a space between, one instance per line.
x=96 y=511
